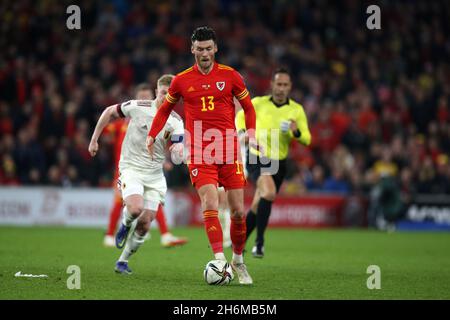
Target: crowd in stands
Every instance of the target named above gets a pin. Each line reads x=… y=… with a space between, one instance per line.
x=377 y=101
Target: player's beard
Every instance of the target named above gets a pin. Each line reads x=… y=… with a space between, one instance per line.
x=205 y=64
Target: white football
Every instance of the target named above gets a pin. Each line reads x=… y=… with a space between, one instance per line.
x=177 y=153
x=218 y=272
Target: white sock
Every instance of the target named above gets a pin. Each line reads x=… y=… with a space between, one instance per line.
x=238 y=258
x=127 y=218
x=225 y=221
x=220 y=256
x=132 y=245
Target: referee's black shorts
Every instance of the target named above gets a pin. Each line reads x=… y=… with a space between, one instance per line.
x=275 y=168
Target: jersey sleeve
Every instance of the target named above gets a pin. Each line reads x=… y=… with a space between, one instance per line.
x=240 y=121
x=239 y=89
x=174 y=92
x=302 y=125
x=127 y=109
x=177 y=128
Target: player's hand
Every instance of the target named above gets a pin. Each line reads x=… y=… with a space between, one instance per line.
x=150 y=146
x=93 y=148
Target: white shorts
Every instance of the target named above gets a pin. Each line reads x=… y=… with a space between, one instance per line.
x=151 y=186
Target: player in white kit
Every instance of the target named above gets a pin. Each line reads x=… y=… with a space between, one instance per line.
x=141 y=179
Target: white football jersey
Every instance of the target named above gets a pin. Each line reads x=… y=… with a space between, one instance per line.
x=134 y=152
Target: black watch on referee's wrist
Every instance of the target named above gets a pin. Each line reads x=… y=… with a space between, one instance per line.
x=297 y=133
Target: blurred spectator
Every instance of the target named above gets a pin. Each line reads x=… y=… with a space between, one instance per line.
x=442 y=181
x=28 y=155
x=8 y=171
x=336 y=182
x=385 y=167
x=407 y=187
x=386 y=205
x=315 y=182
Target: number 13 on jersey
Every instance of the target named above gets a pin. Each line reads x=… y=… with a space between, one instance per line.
x=207 y=103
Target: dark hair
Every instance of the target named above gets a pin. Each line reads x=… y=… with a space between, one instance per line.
x=203 y=34
x=280 y=70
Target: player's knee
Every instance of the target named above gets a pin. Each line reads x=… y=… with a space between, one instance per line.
x=210 y=202
x=266 y=188
x=269 y=194
x=237 y=213
x=135 y=209
x=236 y=208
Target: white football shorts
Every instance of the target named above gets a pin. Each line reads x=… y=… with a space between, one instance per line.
x=151 y=186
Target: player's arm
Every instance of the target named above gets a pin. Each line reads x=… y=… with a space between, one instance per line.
x=299 y=128
x=241 y=128
x=158 y=123
x=249 y=115
x=241 y=93
x=163 y=113
x=108 y=115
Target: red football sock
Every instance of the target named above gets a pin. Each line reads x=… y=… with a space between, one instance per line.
x=160 y=217
x=114 y=217
x=213 y=230
x=238 y=230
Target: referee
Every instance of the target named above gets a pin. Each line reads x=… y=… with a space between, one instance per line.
x=279 y=119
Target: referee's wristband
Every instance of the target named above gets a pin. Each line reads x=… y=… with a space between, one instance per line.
x=297 y=133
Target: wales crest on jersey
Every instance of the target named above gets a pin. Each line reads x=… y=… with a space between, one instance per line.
x=220 y=85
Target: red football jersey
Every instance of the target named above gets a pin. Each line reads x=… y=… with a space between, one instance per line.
x=117 y=130
x=209 y=111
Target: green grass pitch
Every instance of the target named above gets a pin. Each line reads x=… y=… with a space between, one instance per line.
x=299 y=264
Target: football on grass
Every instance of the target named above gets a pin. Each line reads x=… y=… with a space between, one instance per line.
x=218 y=272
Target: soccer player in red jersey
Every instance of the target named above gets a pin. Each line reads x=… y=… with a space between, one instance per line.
x=208 y=90
x=117 y=131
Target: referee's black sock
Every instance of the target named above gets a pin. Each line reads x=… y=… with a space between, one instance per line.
x=262 y=219
x=250 y=221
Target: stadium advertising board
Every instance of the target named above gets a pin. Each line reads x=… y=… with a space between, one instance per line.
x=312 y=211
x=90 y=207
x=55 y=206
x=427 y=212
